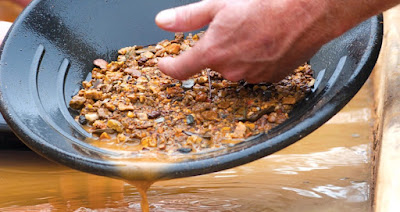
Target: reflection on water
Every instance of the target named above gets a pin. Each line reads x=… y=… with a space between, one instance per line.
x=326 y=171
x=294 y=163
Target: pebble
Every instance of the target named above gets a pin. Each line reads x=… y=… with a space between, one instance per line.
x=82 y=120
x=188 y=84
x=160 y=120
x=184 y=150
x=189 y=119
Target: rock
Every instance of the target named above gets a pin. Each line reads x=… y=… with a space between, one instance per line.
x=142 y=116
x=188 y=84
x=154 y=114
x=77 y=102
x=115 y=125
x=189 y=119
x=100 y=63
x=174 y=48
x=82 y=120
x=91 y=117
x=240 y=130
x=184 y=150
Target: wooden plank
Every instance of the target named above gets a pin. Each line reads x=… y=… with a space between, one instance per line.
x=387 y=133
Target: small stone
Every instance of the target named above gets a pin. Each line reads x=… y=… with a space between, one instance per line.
x=150 y=49
x=311 y=83
x=124 y=107
x=100 y=63
x=110 y=106
x=289 y=100
x=97 y=83
x=93 y=94
x=188 y=84
x=82 y=120
x=174 y=48
x=115 y=125
x=91 y=117
x=103 y=112
x=123 y=50
x=121 y=138
x=133 y=71
x=184 y=150
x=142 y=116
x=223 y=115
x=189 y=119
x=142 y=60
x=154 y=114
x=210 y=115
x=160 y=120
x=121 y=58
x=77 y=102
x=240 y=130
x=202 y=79
x=130 y=114
x=272 y=118
x=148 y=55
x=105 y=135
x=201 y=97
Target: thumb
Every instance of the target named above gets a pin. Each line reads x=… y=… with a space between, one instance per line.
x=189 y=17
x=187 y=63
x=181 y=67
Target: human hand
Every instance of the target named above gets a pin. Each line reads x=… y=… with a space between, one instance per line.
x=256 y=40
x=252 y=40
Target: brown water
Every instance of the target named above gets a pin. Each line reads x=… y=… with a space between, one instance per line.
x=327 y=171
x=143 y=187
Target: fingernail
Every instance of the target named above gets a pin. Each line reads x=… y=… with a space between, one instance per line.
x=166 y=17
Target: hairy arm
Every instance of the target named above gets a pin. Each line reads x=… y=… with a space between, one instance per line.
x=260 y=40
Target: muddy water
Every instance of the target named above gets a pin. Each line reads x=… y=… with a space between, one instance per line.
x=326 y=171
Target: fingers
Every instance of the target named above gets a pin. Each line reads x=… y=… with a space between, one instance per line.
x=187 y=18
x=184 y=66
x=253 y=73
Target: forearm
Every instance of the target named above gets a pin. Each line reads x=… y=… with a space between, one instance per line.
x=348 y=13
x=316 y=22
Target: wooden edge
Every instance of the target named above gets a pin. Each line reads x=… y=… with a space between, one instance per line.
x=386 y=146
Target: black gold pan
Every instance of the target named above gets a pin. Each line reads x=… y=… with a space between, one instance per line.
x=50 y=49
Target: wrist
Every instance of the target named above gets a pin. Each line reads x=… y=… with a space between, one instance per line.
x=345 y=14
